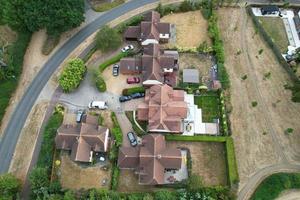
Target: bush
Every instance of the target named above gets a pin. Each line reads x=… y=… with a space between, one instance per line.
x=129 y=91
x=116 y=130
x=108 y=39
x=296 y=92
x=254 y=103
x=100 y=83
x=16 y=54
x=72 y=75
x=164 y=195
x=223 y=76
x=111 y=61
x=272 y=186
x=39 y=182
x=115 y=177
x=9 y=186
x=47 y=147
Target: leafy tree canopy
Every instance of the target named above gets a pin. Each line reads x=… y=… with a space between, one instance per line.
x=9 y=186
x=56 y=16
x=108 y=39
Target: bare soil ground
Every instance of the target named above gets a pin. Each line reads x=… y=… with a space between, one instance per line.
x=258 y=132
x=75 y=177
x=25 y=146
x=289 y=195
x=188 y=25
x=193 y=60
x=208 y=160
x=128 y=182
x=107 y=122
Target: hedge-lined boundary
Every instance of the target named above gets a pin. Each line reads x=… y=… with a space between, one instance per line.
x=130 y=91
x=272 y=45
x=111 y=61
x=233 y=175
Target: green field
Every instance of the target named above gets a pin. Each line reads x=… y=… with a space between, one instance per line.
x=275 y=28
x=209 y=105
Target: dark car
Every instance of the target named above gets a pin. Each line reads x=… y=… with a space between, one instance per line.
x=125 y=98
x=116 y=69
x=137 y=95
x=132 y=139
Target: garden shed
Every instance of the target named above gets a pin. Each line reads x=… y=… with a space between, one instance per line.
x=190 y=76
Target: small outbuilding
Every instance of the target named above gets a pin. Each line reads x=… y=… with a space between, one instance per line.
x=190 y=76
x=270 y=10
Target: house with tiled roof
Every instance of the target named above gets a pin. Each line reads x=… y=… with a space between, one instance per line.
x=151 y=159
x=149 y=31
x=83 y=139
x=155 y=65
x=164 y=109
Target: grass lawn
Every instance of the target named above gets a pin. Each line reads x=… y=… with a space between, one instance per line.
x=107 y=5
x=137 y=130
x=275 y=28
x=210 y=107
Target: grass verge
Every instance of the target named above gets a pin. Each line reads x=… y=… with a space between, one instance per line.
x=108 y=5
x=129 y=91
x=111 y=61
x=273 y=185
x=50 y=44
x=16 y=55
x=136 y=129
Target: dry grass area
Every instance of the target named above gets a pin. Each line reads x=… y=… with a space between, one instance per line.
x=257 y=131
x=106 y=115
x=191 y=28
x=26 y=143
x=7 y=36
x=193 y=60
x=289 y=195
x=75 y=177
x=208 y=160
x=128 y=182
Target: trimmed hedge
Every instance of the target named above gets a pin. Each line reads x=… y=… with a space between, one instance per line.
x=116 y=130
x=272 y=45
x=131 y=22
x=129 y=91
x=115 y=177
x=45 y=158
x=230 y=153
x=111 y=61
x=273 y=185
x=100 y=83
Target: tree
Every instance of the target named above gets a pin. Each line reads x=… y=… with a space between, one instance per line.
x=108 y=39
x=39 y=182
x=72 y=75
x=164 y=195
x=9 y=186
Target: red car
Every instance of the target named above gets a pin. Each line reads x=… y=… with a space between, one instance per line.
x=132 y=80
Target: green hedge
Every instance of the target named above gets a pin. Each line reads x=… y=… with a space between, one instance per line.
x=115 y=177
x=116 y=130
x=47 y=148
x=230 y=153
x=129 y=91
x=111 y=61
x=16 y=55
x=136 y=129
x=272 y=45
x=100 y=83
x=136 y=20
x=272 y=186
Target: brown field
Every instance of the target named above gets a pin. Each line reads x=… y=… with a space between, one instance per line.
x=208 y=160
x=191 y=28
x=75 y=177
x=258 y=132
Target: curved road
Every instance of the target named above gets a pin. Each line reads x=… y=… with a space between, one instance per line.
x=16 y=123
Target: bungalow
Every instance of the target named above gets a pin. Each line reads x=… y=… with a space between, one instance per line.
x=150 y=31
x=83 y=139
x=151 y=159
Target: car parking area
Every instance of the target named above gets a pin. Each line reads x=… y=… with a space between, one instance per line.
x=116 y=84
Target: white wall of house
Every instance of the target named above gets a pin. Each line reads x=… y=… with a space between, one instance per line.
x=152 y=82
x=149 y=41
x=106 y=140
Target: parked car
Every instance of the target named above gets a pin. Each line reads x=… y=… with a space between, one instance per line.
x=132 y=139
x=127 y=48
x=137 y=95
x=132 y=80
x=98 y=105
x=124 y=98
x=79 y=115
x=116 y=68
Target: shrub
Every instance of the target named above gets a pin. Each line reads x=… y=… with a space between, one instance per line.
x=244 y=77
x=115 y=177
x=111 y=61
x=254 y=103
x=116 y=130
x=100 y=84
x=47 y=147
x=72 y=75
x=108 y=39
x=129 y=91
x=289 y=131
x=223 y=76
x=164 y=195
x=9 y=186
x=39 y=182
x=273 y=185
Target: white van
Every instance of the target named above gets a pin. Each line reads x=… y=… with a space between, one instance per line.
x=98 y=105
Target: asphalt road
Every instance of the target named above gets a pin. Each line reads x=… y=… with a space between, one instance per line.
x=16 y=123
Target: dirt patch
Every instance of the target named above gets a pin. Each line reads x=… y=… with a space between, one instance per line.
x=128 y=182
x=188 y=25
x=258 y=132
x=69 y=118
x=201 y=62
x=75 y=177
x=26 y=143
x=7 y=36
x=208 y=160
x=106 y=115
